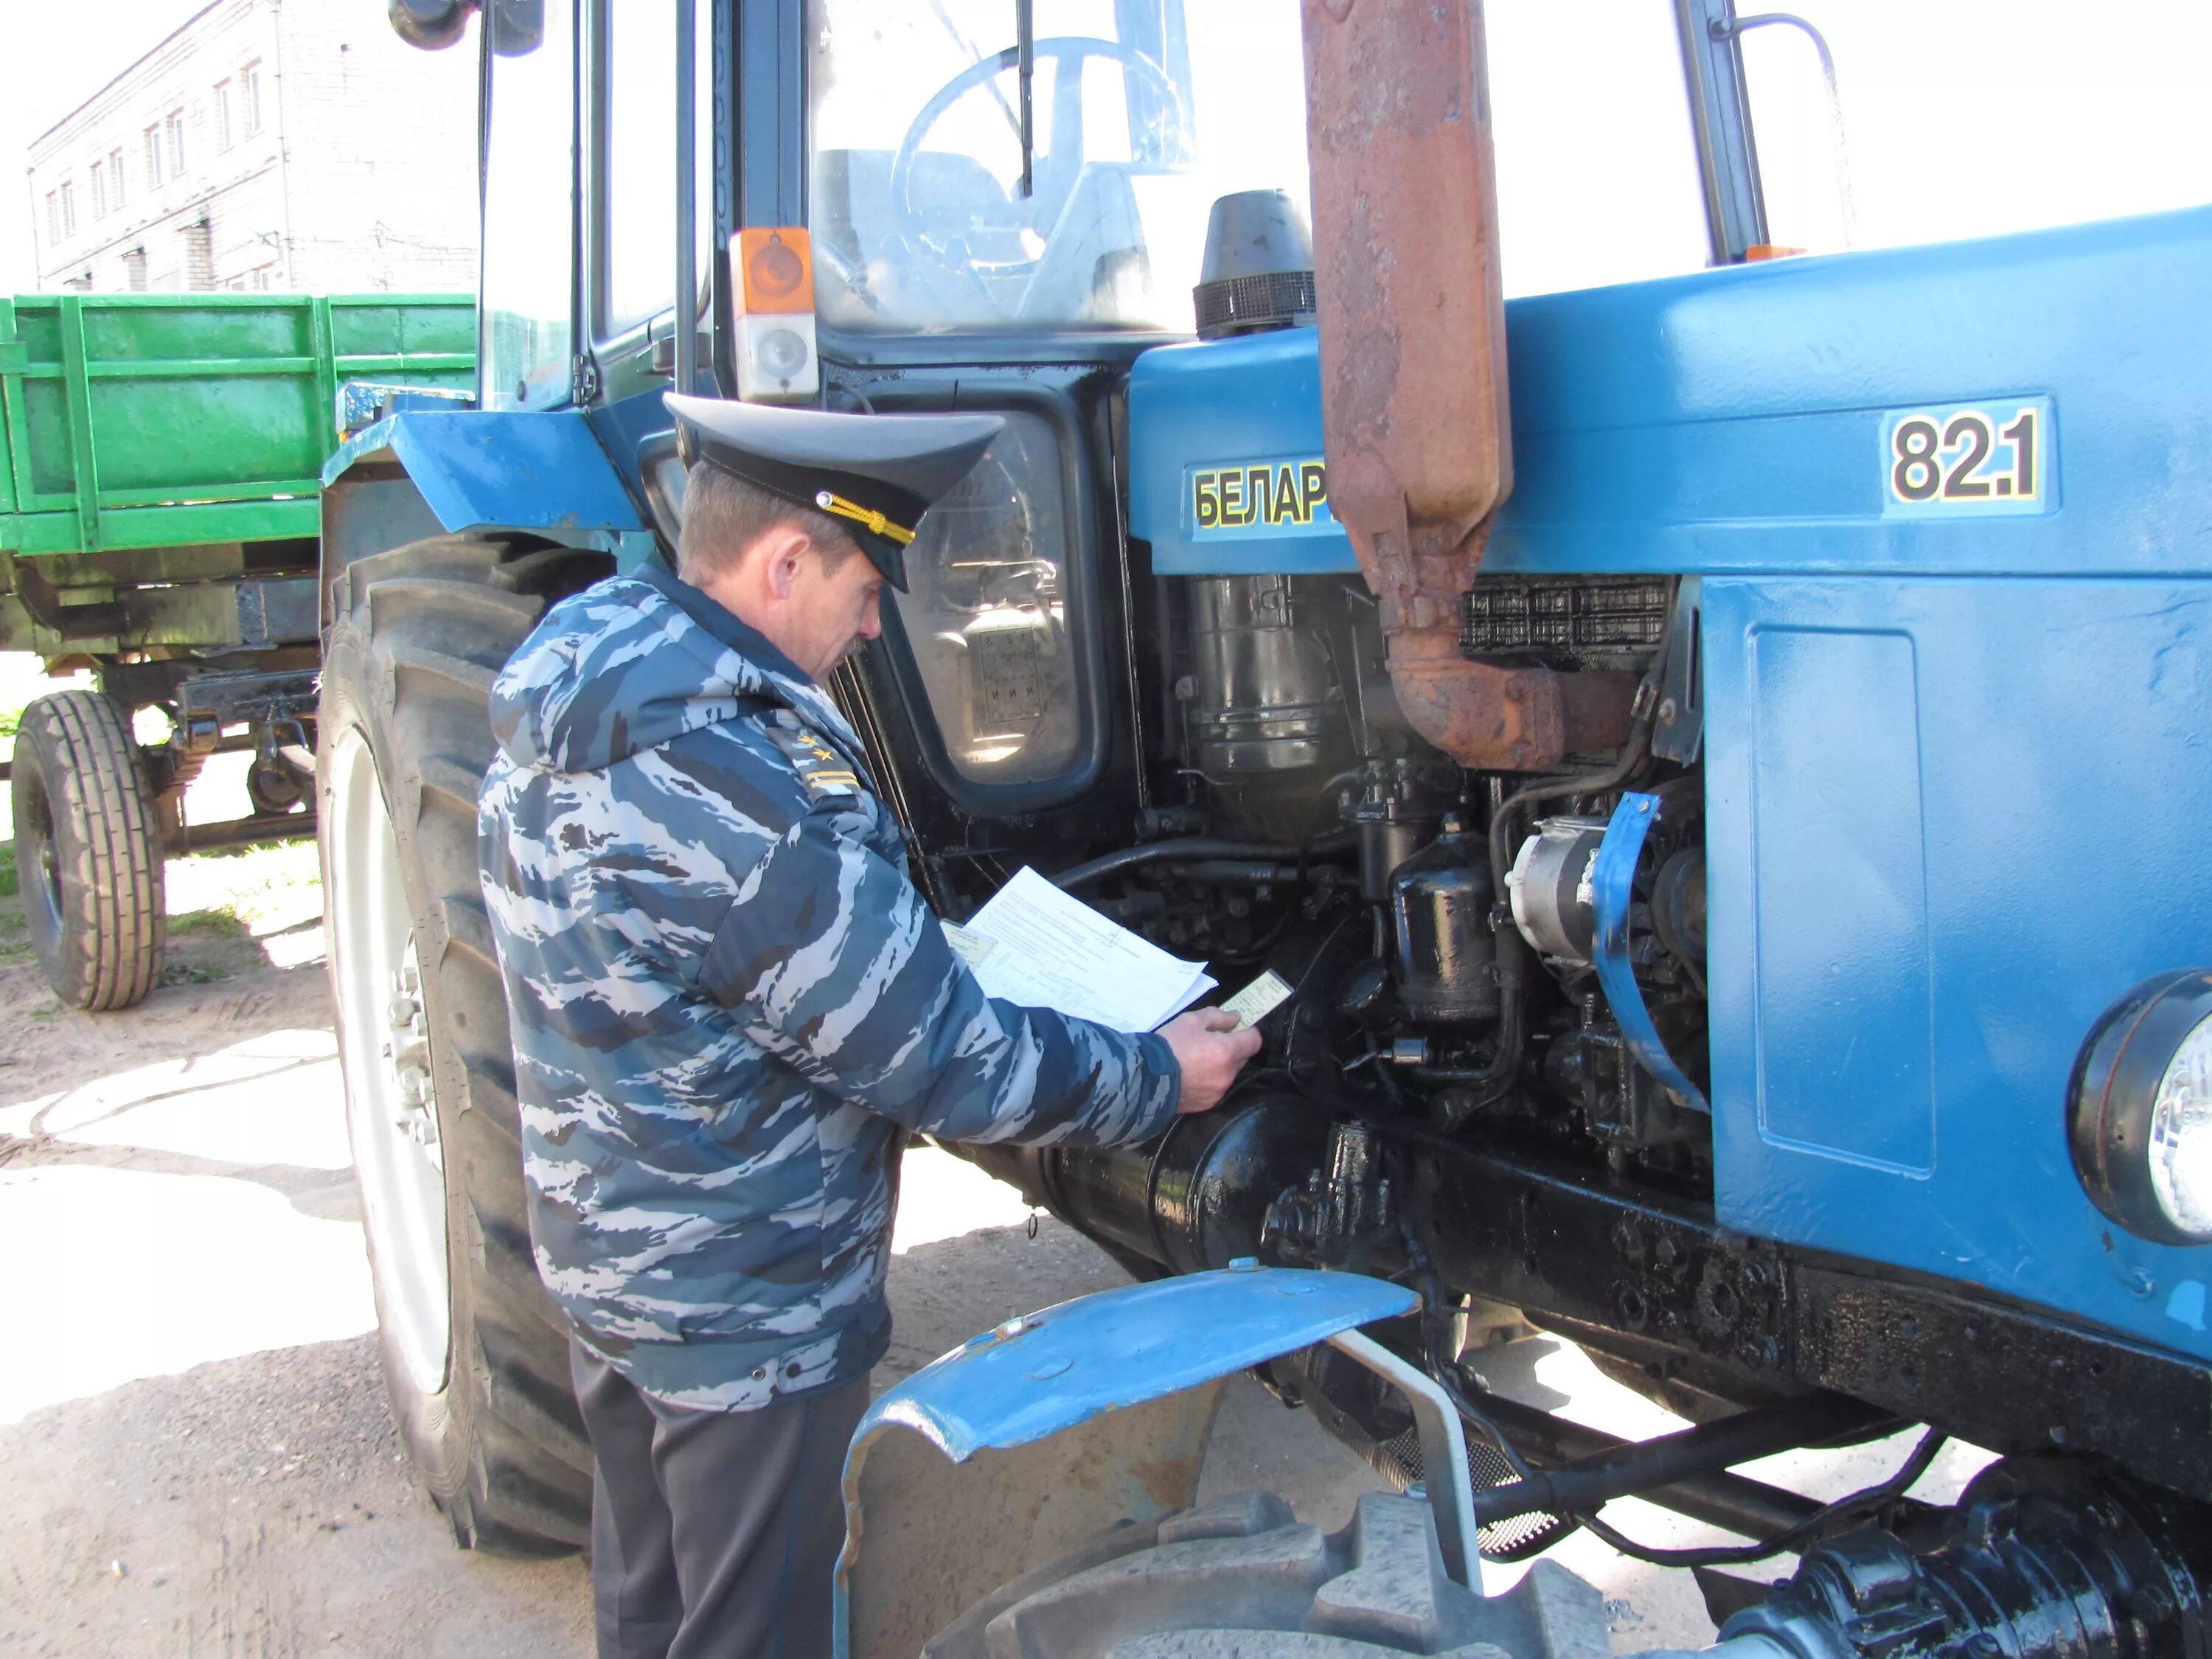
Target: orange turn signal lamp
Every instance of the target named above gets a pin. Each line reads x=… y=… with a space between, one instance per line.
x=775 y=268
x=773 y=271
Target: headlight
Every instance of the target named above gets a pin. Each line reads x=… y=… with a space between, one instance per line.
x=2139 y=1109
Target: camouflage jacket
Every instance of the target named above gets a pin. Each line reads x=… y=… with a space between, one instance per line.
x=728 y=1000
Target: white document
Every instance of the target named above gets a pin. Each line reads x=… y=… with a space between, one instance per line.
x=1048 y=950
x=1258 y=1000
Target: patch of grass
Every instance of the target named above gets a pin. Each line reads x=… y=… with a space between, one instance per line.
x=7 y=888
x=222 y=921
x=11 y=720
x=252 y=889
x=192 y=973
x=14 y=934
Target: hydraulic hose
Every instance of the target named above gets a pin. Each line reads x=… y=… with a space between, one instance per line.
x=1184 y=849
x=1493 y=1080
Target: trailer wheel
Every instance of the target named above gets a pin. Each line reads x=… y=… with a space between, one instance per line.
x=1243 y=1578
x=89 y=852
x=475 y=1353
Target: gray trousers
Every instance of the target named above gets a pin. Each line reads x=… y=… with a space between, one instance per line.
x=714 y=1535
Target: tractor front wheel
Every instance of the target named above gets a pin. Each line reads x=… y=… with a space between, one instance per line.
x=475 y=1352
x=1242 y=1577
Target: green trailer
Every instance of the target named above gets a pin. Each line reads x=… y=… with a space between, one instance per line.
x=160 y=463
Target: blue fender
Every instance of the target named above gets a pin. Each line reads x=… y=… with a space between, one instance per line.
x=485 y=470
x=1025 y=1441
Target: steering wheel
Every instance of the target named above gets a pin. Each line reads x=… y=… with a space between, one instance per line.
x=1020 y=213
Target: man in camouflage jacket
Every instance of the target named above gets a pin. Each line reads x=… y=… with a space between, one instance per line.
x=728 y=1005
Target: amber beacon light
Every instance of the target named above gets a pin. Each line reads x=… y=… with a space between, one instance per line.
x=777 y=361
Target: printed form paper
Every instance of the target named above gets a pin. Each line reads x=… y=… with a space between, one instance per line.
x=1258 y=1000
x=1045 y=948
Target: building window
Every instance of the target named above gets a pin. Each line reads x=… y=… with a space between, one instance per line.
x=222 y=115
x=100 y=190
x=53 y=220
x=172 y=130
x=153 y=158
x=249 y=90
x=115 y=178
x=69 y=208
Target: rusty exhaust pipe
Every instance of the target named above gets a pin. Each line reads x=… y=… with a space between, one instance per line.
x=1413 y=360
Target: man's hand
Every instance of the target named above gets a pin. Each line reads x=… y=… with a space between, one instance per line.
x=1211 y=1051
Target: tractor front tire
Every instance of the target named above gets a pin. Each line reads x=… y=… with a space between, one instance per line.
x=475 y=1352
x=88 y=857
x=1242 y=1577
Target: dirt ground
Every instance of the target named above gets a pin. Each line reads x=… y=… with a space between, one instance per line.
x=200 y=1459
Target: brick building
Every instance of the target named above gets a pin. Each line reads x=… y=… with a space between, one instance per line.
x=286 y=144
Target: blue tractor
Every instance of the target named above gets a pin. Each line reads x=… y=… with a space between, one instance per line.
x=1717 y=765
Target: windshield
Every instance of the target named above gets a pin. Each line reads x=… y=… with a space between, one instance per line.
x=1977 y=117
x=1142 y=114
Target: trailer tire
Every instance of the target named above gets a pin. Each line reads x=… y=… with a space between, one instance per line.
x=475 y=1353
x=1243 y=1578
x=89 y=852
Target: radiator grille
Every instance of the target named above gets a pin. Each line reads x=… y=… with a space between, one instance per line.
x=1564 y=619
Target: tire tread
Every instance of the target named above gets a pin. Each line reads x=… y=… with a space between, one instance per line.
x=431 y=625
x=77 y=747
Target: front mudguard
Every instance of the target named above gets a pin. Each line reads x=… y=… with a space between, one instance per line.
x=478 y=472
x=1030 y=1438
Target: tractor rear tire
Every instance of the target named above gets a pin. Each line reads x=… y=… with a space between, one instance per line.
x=1243 y=1578
x=475 y=1352
x=89 y=852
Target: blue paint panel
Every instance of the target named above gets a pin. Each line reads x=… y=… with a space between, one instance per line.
x=488 y=470
x=1735 y=420
x=1842 y=1017
x=2063 y=738
x=1122 y=1348
x=1223 y=404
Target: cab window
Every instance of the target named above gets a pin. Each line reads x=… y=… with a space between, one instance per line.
x=1141 y=115
x=1977 y=117
x=637 y=198
x=528 y=281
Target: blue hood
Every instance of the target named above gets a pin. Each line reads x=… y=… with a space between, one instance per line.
x=634 y=662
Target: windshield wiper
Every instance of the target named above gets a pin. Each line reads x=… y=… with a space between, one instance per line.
x=1024 y=125
x=1025 y=71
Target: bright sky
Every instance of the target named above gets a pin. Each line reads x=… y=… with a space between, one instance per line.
x=1962 y=118
x=52 y=58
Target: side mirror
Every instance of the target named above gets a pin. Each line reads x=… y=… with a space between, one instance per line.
x=430 y=25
